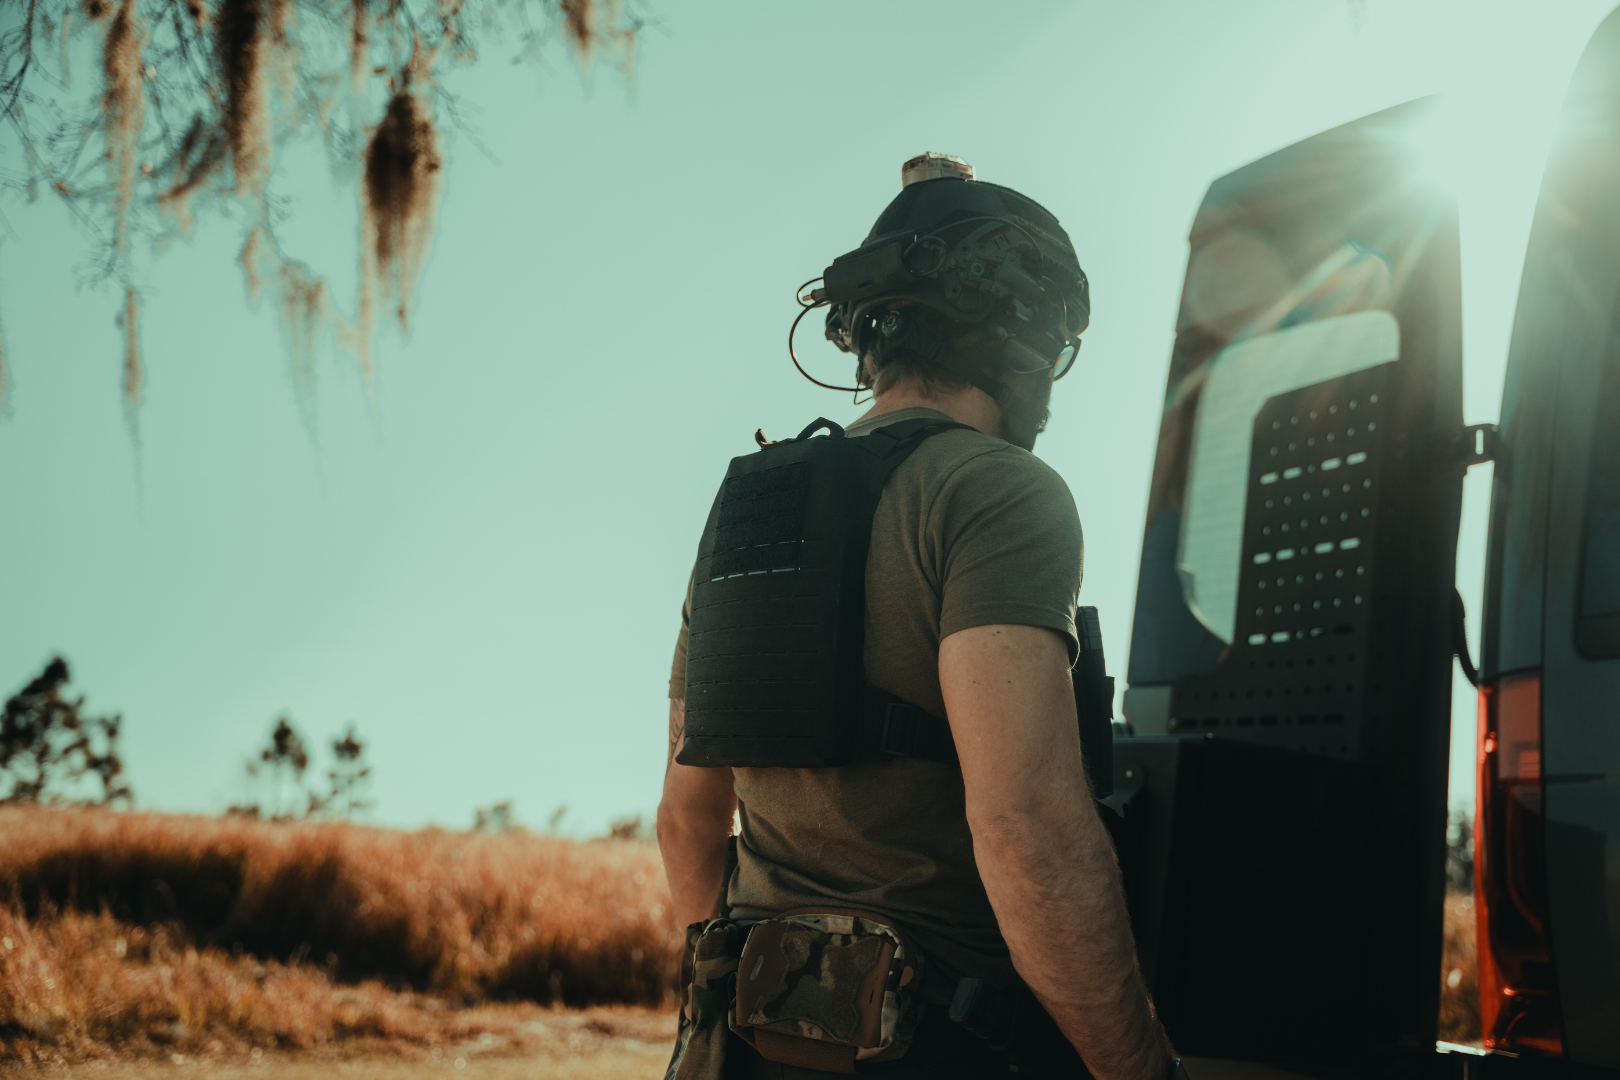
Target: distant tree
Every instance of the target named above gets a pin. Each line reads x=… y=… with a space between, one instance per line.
x=349 y=777
x=277 y=771
x=495 y=819
x=630 y=827
x=50 y=751
x=1460 y=850
x=193 y=101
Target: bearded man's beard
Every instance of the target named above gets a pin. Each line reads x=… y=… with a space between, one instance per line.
x=1026 y=410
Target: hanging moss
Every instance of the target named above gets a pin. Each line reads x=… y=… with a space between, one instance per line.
x=359 y=47
x=253 y=51
x=302 y=301
x=402 y=187
x=134 y=373
x=196 y=161
x=195 y=97
x=123 y=106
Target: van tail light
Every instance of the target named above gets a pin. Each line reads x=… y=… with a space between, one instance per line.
x=1518 y=998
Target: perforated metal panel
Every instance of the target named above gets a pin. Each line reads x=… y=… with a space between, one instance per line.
x=1295 y=677
x=1294 y=600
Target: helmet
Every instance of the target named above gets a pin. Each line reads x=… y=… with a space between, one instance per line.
x=979 y=255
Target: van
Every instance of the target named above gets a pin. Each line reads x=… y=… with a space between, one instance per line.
x=1280 y=781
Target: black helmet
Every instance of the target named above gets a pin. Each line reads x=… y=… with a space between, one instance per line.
x=978 y=254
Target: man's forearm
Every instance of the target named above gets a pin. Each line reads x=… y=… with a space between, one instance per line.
x=1045 y=859
x=694 y=862
x=1053 y=881
x=694 y=823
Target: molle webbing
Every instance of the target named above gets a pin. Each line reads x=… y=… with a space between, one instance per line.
x=775 y=651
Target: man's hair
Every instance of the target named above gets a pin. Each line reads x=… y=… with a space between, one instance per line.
x=930 y=377
x=926 y=355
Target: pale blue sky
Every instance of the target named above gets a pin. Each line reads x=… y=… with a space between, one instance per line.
x=486 y=574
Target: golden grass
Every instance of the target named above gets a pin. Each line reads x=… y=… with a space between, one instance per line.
x=1459 y=973
x=142 y=934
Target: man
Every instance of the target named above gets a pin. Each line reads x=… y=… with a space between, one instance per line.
x=984 y=851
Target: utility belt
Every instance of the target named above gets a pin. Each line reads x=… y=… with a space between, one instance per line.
x=820 y=988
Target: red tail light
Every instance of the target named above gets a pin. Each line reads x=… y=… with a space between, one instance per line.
x=1518 y=998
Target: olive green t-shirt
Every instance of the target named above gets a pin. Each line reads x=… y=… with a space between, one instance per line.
x=970 y=530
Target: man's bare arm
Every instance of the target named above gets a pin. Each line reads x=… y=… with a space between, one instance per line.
x=677 y=731
x=1045 y=856
x=694 y=822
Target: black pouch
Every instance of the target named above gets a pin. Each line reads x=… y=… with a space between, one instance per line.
x=823 y=989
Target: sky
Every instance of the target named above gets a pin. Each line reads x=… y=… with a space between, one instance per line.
x=481 y=563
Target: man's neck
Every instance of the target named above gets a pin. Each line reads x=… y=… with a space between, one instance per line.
x=968 y=405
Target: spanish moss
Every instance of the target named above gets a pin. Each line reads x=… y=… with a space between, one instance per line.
x=123 y=110
x=402 y=187
x=134 y=373
x=253 y=50
x=303 y=303
x=196 y=98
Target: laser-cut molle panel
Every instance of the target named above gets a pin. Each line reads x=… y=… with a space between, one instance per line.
x=761 y=526
x=1296 y=676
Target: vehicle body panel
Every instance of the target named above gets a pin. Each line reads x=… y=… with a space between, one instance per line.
x=1554 y=558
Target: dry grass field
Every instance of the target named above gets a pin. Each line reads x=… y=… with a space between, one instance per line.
x=138 y=944
x=1459 y=973
x=143 y=935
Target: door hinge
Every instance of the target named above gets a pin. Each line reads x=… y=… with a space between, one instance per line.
x=1472 y=445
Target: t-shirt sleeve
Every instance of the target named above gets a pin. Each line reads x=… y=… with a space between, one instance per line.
x=1011 y=545
x=677 y=670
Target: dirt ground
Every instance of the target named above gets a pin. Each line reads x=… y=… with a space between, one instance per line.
x=638 y=1061
x=626 y=1059
x=572 y=1048
x=619 y=1044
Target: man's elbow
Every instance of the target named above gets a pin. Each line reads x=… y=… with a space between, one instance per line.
x=1025 y=828
x=670 y=822
x=678 y=821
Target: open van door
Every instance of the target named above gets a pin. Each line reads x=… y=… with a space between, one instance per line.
x=1547 y=831
x=1284 y=790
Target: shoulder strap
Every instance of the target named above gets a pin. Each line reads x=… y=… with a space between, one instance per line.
x=891 y=727
x=821 y=423
x=899 y=439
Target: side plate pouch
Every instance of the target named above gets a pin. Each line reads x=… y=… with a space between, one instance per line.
x=822 y=990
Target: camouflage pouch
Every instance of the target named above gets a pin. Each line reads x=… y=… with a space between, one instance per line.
x=822 y=989
x=708 y=984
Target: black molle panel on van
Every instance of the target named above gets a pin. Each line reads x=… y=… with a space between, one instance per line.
x=1295 y=675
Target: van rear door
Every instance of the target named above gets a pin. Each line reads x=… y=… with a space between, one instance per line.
x=1290 y=655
